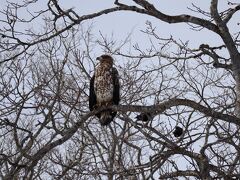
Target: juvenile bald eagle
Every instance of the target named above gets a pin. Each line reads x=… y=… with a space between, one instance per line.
x=104 y=89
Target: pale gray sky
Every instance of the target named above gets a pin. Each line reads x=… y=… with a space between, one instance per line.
x=121 y=23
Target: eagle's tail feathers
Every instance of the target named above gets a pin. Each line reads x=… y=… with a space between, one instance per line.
x=106 y=117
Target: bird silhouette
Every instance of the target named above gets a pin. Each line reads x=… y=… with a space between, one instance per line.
x=145 y=117
x=178 y=131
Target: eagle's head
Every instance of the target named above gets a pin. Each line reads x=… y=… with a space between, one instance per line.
x=105 y=59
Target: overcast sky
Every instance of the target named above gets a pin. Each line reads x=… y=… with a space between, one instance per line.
x=120 y=24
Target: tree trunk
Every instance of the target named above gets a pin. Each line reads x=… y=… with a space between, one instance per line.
x=236 y=73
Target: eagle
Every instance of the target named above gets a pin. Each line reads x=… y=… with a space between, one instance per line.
x=104 y=89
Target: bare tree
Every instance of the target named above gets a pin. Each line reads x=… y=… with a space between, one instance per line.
x=47 y=131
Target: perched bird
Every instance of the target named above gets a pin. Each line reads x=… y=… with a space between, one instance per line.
x=104 y=89
x=145 y=117
x=178 y=131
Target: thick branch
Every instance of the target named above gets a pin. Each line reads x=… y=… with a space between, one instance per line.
x=230 y=14
x=160 y=108
x=225 y=34
x=67 y=135
x=149 y=9
x=179 y=173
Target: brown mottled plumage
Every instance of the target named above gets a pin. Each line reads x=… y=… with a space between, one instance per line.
x=104 y=89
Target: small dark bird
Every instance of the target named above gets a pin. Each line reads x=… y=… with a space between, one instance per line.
x=104 y=89
x=178 y=131
x=145 y=117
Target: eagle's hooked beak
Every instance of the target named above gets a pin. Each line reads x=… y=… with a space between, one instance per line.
x=99 y=58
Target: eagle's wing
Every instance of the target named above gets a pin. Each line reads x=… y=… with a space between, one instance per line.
x=116 y=86
x=92 y=95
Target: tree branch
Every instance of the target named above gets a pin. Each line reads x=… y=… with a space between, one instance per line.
x=160 y=108
x=230 y=14
x=149 y=9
